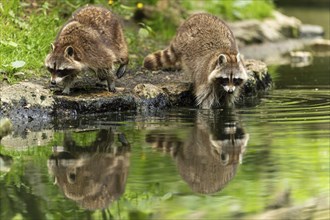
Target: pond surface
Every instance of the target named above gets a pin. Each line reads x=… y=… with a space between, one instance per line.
x=310 y=15
x=182 y=163
x=179 y=164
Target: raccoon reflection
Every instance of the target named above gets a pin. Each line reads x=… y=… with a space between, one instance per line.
x=208 y=159
x=95 y=175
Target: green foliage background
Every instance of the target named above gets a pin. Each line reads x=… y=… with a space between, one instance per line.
x=28 y=27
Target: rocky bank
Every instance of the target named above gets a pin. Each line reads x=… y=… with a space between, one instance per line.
x=140 y=90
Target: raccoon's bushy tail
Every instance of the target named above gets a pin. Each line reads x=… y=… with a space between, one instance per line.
x=162 y=59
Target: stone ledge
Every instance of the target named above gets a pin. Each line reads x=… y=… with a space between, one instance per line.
x=31 y=101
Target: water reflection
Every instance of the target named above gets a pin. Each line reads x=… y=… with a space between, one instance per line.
x=93 y=175
x=208 y=158
x=5 y=163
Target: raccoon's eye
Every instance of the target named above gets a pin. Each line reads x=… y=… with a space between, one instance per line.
x=237 y=81
x=65 y=72
x=51 y=70
x=224 y=158
x=72 y=178
x=223 y=81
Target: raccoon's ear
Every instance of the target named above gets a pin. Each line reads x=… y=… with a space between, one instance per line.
x=222 y=59
x=52 y=46
x=69 y=51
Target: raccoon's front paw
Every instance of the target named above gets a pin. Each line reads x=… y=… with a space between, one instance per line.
x=112 y=89
x=66 y=91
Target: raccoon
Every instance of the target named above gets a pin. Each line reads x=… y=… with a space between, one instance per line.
x=92 y=40
x=205 y=47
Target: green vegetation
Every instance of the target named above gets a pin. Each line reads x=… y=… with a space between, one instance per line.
x=234 y=10
x=25 y=38
x=28 y=27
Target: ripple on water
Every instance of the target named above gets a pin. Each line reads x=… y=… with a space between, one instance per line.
x=288 y=106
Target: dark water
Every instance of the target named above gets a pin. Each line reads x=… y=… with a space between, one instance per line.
x=180 y=164
x=310 y=14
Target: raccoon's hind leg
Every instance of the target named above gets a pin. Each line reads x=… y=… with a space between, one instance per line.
x=107 y=78
x=162 y=59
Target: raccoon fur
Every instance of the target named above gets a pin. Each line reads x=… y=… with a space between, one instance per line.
x=205 y=48
x=91 y=40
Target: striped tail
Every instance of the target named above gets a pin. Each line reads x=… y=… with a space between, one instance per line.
x=162 y=59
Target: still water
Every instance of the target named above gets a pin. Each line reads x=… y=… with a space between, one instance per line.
x=178 y=164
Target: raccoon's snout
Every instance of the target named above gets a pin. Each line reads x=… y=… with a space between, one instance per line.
x=53 y=79
x=230 y=89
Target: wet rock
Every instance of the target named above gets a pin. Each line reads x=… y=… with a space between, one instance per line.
x=321 y=47
x=164 y=95
x=259 y=80
x=152 y=97
x=287 y=26
x=269 y=30
x=26 y=94
x=311 y=31
x=147 y=91
x=321 y=44
x=159 y=102
x=25 y=100
x=247 y=32
x=300 y=58
x=97 y=102
x=273 y=52
x=28 y=104
x=180 y=93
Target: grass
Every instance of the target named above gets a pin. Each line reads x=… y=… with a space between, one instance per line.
x=26 y=38
x=26 y=29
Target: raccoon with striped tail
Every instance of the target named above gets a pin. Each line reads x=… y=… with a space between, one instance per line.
x=92 y=40
x=205 y=48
